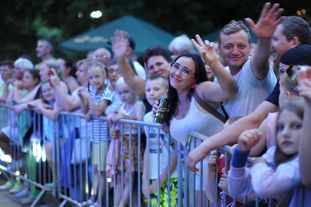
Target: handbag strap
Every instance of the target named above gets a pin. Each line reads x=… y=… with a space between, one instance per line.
x=209 y=108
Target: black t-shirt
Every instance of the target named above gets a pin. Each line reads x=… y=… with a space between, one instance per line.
x=274 y=95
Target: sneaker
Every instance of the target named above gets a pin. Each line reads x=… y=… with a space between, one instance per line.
x=27 y=201
x=23 y=193
x=16 y=188
x=7 y=185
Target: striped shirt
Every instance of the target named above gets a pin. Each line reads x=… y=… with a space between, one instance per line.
x=97 y=129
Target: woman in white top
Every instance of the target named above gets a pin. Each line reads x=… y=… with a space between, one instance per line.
x=188 y=75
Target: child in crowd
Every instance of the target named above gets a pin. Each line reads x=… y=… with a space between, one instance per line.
x=157 y=152
x=49 y=109
x=130 y=154
x=276 y=173
x=94 y=103
x=219 y=162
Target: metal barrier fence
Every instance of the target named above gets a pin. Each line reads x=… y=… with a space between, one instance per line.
x=82 y=164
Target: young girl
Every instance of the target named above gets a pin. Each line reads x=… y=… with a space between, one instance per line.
x=49 y=109
x=129 y=157
x=93 y=103
x=276 y=173
x=157 y=153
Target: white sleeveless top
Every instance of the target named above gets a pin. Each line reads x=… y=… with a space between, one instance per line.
x=198 y=120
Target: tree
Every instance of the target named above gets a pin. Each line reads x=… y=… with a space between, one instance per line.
x=25 y=21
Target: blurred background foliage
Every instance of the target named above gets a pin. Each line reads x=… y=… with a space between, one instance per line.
x=23 y=22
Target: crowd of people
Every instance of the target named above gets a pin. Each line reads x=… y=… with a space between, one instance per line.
x=256 y=99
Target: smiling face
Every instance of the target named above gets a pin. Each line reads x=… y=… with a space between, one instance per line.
x=157 y=65
x=289 y=128
x=155 y=89
x=235 y=49
x=97 y=77
x=47 y=92
x=182 y=73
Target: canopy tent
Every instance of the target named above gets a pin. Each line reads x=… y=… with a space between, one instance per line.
x=144 y=34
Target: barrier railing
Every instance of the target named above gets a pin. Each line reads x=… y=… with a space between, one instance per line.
x=81 y=163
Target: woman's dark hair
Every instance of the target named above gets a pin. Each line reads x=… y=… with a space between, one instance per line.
x=199 y=77
x=73 y=68
x=156 y=51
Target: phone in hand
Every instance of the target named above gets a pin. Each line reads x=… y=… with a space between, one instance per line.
x=29 y=106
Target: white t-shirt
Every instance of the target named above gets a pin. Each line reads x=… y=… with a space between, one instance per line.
x=198 y=120
x=159 y=149
x=140 y=70
x=251 y=91
x=128 y=129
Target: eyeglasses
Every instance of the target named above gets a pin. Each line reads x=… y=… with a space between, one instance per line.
x=184 y=70
x=113 y=70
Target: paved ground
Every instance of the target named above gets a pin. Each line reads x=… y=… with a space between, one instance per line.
x=7 y=200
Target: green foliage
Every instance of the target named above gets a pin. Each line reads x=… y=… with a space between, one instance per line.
x=43 y=31
x=23 y=22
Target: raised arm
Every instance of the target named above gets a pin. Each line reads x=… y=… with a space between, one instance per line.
x=269 y=18
x=62 y=98
x=227 y=86
x=119 y=47
x=136 y=83
x=304 y=89
x=239 y=182
x=229 y=135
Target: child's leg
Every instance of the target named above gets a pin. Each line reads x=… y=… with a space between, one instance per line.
x=102 y=188
x=127 y=188
x=95 y=181
x=117 y=190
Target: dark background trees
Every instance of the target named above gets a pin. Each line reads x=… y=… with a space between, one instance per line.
x=23 y=22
